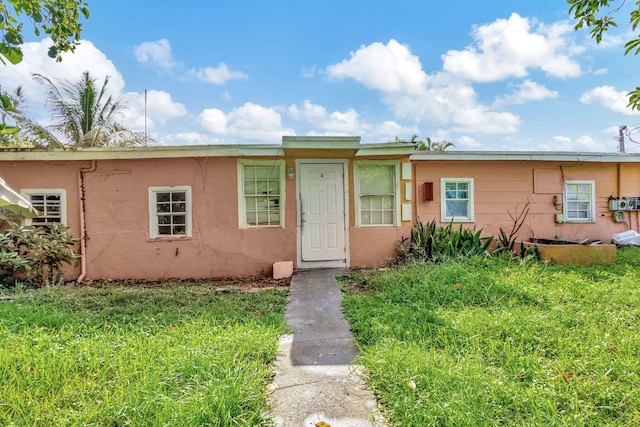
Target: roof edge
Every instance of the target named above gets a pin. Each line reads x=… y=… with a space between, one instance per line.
x=149 y=152
x=564 y=156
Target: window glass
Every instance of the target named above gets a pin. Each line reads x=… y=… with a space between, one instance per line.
x=170 y=211
x=50 y=204
x=262 y=194
x=579 y=201
x=377 y=194
x=457 y=199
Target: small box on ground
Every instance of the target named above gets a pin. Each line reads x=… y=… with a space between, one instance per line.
x=282 y=269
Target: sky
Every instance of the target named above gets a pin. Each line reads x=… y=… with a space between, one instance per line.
x=486 y=75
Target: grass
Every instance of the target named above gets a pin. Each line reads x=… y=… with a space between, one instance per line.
x=501 y=342
x=172 y=354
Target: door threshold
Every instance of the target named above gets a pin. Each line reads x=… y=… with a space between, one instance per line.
x=308 y=265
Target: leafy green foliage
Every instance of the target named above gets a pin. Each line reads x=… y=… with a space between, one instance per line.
x=498 y=341
x=598 y=16
x=58 y=19
x=431 y=242
x=35 y=254
x=83 y=113
x=427 y=145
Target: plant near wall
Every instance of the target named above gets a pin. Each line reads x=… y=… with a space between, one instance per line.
x=506 y=242
x=35 y=255
x=431 y=242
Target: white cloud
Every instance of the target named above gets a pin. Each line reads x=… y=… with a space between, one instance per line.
x=510 y=47
x=438 y=99
x=525 y=92
x=467 y=142
x=248 y=122
x=160 y=108
x=452 y=104
x=336 y=122
x=346 y=123
x=387 y=68
x=309 y=72
x=609 y=97
x=188 y=138
x=86 y=58
x=217 y=75
x=579 y=144
x=157 y=53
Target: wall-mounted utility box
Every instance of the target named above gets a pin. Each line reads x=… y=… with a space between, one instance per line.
x=427 y=191
x=560 y=218
x=618 y=204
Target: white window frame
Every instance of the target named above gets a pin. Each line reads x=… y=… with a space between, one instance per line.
x=591 y=201
x=470 y=200
x=396 y=191
x=61 y=192
x=154 y=232
x=242 y=203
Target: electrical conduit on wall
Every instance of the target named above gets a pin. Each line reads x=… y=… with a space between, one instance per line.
x=83 y=230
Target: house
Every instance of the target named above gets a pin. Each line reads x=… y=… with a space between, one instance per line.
x=234 y=210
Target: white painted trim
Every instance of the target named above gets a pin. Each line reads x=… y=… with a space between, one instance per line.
x=321 y=142
x=345 y=182
x=443 y=204
x=155 y=152
x=565 y=212
x=242 y=218
x=27 y=192
x=153 y=215
x=527 y=155
x=396 y=189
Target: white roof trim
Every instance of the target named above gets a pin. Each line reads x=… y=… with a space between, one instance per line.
x=391 y=148
x=154 y=152
x=527 y=155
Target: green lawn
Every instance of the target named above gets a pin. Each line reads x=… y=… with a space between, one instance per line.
x=490 y=342
x=177 y=354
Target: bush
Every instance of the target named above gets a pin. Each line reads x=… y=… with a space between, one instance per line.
x=431 y=242
x=35 y=254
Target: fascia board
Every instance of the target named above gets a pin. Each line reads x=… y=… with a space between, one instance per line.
x=527 y=156
x=238 y=150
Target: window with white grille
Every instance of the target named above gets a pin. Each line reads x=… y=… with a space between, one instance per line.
x=51 y=203
x=170 y=211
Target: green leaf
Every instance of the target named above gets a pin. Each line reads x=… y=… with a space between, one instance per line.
x=53 y=52
x=11 y=53
x=632 y=45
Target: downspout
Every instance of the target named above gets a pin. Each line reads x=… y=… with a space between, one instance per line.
x=83 y=227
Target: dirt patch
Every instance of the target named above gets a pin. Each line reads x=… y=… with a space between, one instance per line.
x=354 y=287
x=248 y=284
x=242 y=284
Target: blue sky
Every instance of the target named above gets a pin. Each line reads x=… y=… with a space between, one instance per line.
x=487 y=75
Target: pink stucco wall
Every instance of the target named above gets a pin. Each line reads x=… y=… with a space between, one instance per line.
x=117 y=211
x=117 y=218
x=500 y=186
x=372 y=247
x=118 y=223
x=49 y=175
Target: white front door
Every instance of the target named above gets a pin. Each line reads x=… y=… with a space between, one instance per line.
x=322 y=215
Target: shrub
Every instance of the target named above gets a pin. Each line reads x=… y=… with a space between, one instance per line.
x=431 y=242
x=35 y=254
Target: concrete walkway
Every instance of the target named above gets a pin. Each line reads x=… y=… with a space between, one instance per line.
x=315 y=381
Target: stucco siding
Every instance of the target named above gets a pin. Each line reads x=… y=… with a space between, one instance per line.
x=501 y=187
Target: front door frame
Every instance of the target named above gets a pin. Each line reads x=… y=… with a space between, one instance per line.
x=345 y=183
